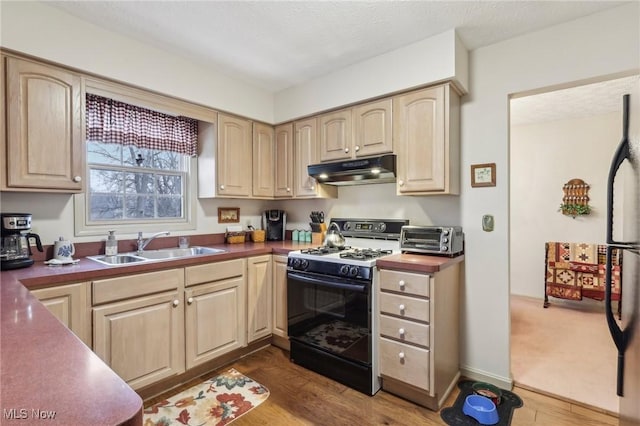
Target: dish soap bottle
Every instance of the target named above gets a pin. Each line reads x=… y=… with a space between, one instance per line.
x=111 y=246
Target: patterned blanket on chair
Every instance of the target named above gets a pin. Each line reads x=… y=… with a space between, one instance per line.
x=577 y=270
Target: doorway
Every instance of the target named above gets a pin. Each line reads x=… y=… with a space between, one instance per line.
x=557 y=136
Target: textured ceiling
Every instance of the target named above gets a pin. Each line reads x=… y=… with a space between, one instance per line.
x=576 y=102
x=278 y=44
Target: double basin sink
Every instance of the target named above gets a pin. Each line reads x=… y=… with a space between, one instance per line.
x=155 y=255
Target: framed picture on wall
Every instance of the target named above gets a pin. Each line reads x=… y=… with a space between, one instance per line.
x=228 y=214
x=483 y=175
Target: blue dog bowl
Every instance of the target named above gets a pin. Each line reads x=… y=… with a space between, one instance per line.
x=481 y=408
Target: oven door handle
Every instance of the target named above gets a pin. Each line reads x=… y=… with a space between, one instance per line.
x=311 y=280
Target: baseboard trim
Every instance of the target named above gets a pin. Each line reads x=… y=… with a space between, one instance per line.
x=483 y=376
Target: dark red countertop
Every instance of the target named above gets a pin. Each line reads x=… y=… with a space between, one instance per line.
x=418 y=262
x=45 y=367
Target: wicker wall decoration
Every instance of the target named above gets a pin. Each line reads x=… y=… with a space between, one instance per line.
x=576 y=198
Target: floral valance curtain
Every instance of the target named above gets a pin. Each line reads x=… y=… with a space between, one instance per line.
x=111 y=121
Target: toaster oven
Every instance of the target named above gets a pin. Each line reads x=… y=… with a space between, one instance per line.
x=438 y=240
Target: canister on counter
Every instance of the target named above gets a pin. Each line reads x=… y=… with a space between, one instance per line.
x=295 y=235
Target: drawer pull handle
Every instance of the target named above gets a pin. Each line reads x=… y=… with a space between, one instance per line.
x=401 y=307
x=176 y=303
x=401 y=284
x=190 y=300
x=401 y=331
x=401 y=356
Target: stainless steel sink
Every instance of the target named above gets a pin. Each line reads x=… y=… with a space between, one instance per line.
x=118 y=259
x=171 y=253
x=155 y=255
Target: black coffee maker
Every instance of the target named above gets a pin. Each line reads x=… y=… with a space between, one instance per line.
x=274 y=223
x=15 y=251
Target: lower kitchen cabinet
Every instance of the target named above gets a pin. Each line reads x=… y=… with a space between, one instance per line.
x=418 y=334
x=280 y=301
x=71 y=305
x=138 y=325
x=216 y=310
x=259 y=297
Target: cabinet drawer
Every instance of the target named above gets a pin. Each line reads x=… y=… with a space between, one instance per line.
x=405 y=363
x=136 y=285
x=405 y=282
x=406 y=331
x=214 y=271
x=404 y=307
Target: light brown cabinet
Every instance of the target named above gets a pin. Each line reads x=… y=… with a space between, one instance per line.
x=283 y=173
x=427 y=142
x=215 y=313
x=306 y=153
x=71 y=305
x=259 y=297
x=361 y=131
x=44 y=148
x=138 y=325
x=234 y=156
x=373 y=125
x=335 y=135
x=280 y=331
x=418 y=334
x=263 y=155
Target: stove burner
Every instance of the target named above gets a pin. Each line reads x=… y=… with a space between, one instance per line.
x=364 y=254
x=322 y=250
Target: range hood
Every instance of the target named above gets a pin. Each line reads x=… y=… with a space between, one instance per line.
x=381 y=169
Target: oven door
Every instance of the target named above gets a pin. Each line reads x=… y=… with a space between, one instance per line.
x=330 y=314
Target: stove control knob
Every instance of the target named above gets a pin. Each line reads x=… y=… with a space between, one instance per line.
x=344 y=270
x=296 y=263
x=353 y=271
x=382 y=227
x=304 y=264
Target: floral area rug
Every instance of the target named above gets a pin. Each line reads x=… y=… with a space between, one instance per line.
x=217 y=401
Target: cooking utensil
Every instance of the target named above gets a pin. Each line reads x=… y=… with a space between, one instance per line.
x=334 y=237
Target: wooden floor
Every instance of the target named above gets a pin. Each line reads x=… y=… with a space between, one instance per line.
x=301 y=397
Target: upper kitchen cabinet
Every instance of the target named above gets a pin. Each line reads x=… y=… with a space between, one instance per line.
x=234 y=150
x=283 y=173
x=44 y=149
x=372 y=124
x=306 y=153
x=263 y=160
x=335 y=135
x=427 y=141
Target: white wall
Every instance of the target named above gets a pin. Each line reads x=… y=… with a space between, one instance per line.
x=598 y=45
x=544 y=156
x=38 y=29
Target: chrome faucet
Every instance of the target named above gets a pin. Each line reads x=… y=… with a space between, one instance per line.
x=142 y=243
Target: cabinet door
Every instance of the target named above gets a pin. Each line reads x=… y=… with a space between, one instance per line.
x=215 y=319
x=419 y=122
x=263 y=160
x=70 y=304
x=280 y=296
x=335 y=135
x=373 y=128
x=44 y=137
x=234 y=156
x=141 y=339
x=284 y=161
x=306 y=152
x=259 y=297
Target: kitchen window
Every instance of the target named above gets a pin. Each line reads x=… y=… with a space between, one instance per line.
x=138 y=168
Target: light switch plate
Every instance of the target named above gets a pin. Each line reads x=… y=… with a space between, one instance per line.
x=487 y=223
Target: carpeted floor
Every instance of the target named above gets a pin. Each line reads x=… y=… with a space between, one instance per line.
x=564 y=350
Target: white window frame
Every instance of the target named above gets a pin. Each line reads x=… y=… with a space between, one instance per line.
x=157 y=102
